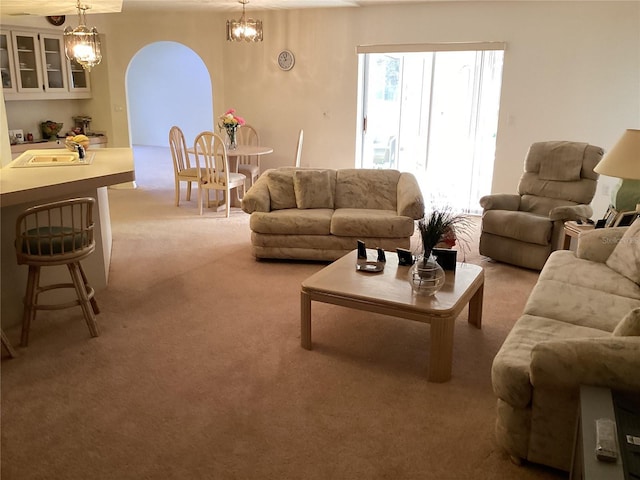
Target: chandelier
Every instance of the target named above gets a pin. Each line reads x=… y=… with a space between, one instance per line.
x=246 y=29
x=82 y=43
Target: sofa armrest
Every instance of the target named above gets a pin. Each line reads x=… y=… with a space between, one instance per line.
x=570 y=212
x=501 y=201
x=604 y=361
x=257 y=198
x=409 y=197
x=596 y=245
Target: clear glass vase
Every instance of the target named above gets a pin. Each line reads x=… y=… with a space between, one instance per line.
x=232 y=137
x=426 y=276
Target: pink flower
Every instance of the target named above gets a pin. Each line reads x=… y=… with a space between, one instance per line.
x=449 y=238
x=230 y=111
x=240 y=120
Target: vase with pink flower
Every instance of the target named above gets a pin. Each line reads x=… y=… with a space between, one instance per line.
x=440 y=226
x=230 y=122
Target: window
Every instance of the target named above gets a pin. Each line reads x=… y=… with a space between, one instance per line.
x=432 y=110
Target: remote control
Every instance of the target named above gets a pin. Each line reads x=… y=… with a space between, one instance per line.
x=606 y=447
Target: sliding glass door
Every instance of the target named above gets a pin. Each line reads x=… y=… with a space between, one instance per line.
x=434 y=114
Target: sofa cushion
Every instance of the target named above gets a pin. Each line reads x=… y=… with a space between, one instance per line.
x=360 y=222
x=292 y=221
x=563 y=266
x=629 y=326
x=313 y=188
x=281 y=190
x=578 y=305
x=625 y=258
x=367 y=188
x=511 y=366
x=523 y=226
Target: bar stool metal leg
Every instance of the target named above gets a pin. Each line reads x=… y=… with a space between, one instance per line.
x=7 y=345
x=94 y=303
x=83 y=298
x=30 y=302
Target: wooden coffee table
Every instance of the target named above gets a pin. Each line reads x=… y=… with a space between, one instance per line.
x=389 y=293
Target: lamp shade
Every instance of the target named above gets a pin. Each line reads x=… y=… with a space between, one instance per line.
x=623 y=160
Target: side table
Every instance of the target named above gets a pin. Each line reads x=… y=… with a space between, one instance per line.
x=595 y=402
x=573 y=229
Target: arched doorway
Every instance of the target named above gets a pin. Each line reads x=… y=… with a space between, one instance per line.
x=167 y=84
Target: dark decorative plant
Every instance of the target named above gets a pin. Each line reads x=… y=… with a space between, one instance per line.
x=442 y=223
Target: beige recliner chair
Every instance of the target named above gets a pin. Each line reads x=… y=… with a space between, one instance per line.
x=558 y=185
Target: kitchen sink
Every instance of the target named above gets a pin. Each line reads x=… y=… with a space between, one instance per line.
x=52 y=159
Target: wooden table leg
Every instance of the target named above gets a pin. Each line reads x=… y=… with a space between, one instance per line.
x=441 y=349
x=305 y=320
x=566 y=244
x=475 y=307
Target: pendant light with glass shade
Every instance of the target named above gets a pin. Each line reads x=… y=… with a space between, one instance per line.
x=82 y=43
x=245 y=29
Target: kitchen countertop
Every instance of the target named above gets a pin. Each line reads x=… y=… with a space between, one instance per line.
x=110 y=166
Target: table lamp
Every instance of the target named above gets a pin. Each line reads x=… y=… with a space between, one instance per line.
x=623 y=161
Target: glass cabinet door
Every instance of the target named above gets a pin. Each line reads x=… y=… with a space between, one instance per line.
x=78 y=77
x=6 y=63
x=26 y=59
x=54 y=63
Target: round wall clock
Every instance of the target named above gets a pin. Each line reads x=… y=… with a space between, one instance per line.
x=56 y=20
x=286 y=60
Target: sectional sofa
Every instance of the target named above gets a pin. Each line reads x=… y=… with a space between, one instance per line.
x=580 y=325
x=320 y=214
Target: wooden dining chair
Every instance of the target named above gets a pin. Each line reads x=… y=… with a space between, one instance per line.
x=212 y=166
x=182 y=168
x=299 y=148
x=249 y=165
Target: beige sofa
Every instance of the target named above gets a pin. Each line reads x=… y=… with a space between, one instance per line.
x=319 y=214
x=580 y=326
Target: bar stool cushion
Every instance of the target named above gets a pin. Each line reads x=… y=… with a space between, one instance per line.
x=66 y=239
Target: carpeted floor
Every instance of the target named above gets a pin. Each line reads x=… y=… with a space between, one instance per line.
x=199 y=374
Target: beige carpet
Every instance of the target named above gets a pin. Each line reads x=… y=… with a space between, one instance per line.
x=199 y=373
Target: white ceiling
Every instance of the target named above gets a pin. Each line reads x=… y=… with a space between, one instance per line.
x=68 y=7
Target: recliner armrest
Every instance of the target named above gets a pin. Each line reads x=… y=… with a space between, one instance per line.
x=501 y=201
x=409 y=197
x=257 y=199
x=606 y=361
x=570 y=212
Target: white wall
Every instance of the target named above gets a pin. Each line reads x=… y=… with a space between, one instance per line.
x=571 y=72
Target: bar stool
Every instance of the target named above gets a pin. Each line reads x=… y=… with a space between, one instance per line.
x=58 y=233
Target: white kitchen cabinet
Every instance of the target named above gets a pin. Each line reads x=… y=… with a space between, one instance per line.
x=79 y=80
x=7 y=69
x=26 y=57
x=54 y=63
x=42 y=70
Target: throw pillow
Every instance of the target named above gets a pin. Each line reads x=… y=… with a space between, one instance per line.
x=280 y=186
x=313 y=189
x=625 y=258
x=629 y=326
